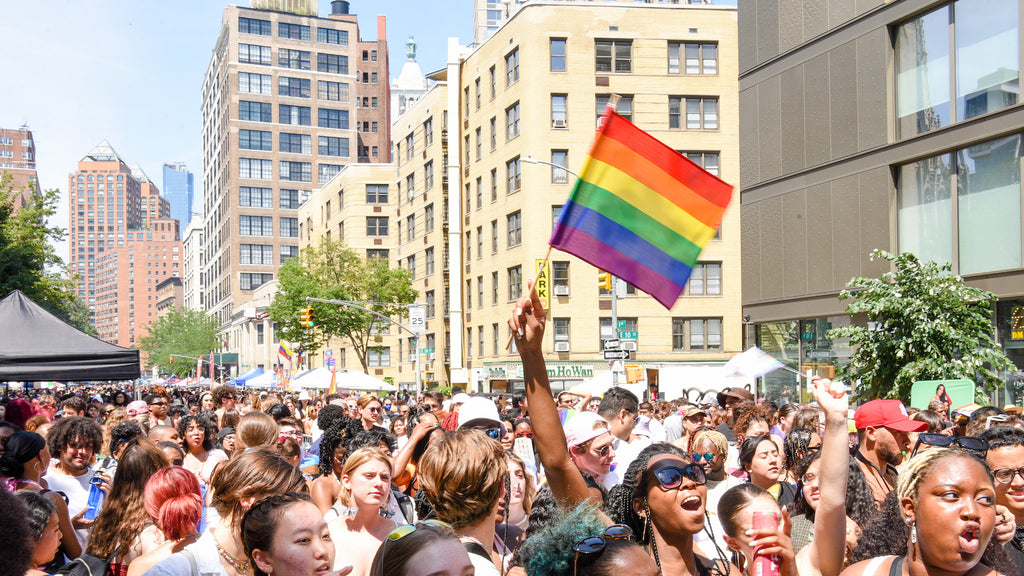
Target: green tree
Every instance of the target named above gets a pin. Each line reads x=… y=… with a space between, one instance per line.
x=929 y=326
x=334 y=271
x=28 y=261
x=180 y=331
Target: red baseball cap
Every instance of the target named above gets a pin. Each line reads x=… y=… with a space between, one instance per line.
x=887 y=413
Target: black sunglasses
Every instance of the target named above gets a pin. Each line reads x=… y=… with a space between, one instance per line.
x=972 y=443
x=591 y=547
x=670 y=476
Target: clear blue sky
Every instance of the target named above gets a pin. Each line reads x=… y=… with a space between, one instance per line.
x=130 y=72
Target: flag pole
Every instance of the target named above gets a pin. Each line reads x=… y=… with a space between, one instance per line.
x=543 y=266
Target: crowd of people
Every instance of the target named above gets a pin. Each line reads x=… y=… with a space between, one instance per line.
x=233 y=482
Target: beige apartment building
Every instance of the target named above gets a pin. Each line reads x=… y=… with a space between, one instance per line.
x=289 y=99
x=471 y=216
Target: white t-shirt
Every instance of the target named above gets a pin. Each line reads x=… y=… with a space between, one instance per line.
x=76 y=488
x=626 y=452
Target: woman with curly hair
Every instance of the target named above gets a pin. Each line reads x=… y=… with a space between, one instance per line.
x=333 y=448
x=123 y=530
x=580 y=543
x=198 y=435
x=860 y=503
x=661 y=497
x=939 y=520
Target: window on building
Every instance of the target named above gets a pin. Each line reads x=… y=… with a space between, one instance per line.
x=957 y=52
x=476 y=96
x=296 y=171
x=428 y=175
x=410 y=146
x=513 y=180
x=613 y=55
x=410 y=224
x=561 y=331
x=292 y=199
x=254 y=111
x=479 y=192
x=294 y=59
x=376 y=193
x=512 y=121
x=559 y=111
x=428 y=258
x=329 y=36
x=255 y=226
x=290 y=227
x=332 y=63
x=332 y=146
x=696 y=333
x=251 y=197
x=288 y=252
x=254 y=26
x=559 y=174
x=560 y=274
x=957 y=207
x=326 y=172
x=706 y=160
x=254 y=54
x=558 y=54
x=410 y=185
x=624 y=108
x=512 y=67
x=699 y=58
x=515 y=283
x=701 y=112
x=256 y=254
x=410 y=264
x=293 y=31
x=377 y=254
x=252 y=280
x=255 y=168
x=294 y=115
x=376 y=225
x=494 y=185
x=429 y=298
x=706 y=279
x=378 y=356
x=252 y=83
x=295 y=143
x=328 y=118
x=294 y=87
x=333 y=91
x=428 y=132
x=515 y=228
x=255 y=140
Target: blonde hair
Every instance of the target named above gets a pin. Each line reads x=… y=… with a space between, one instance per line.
x=462 y=474
x=255 y=429
x=353 y=462
x=365 y=400
x=713 y=436
x=529 y=490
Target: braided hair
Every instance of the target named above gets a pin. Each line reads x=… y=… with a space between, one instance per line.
x=619 y=503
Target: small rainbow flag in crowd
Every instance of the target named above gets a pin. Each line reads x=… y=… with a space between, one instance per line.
x=284 y=351
x=640 y=210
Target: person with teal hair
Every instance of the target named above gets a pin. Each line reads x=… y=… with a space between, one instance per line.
x=580 y=543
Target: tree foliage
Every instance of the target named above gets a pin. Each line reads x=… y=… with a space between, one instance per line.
x=180 y=331
x=929 y=326
x=334 y=271
x=28 y=261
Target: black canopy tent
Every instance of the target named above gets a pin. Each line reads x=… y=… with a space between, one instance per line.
x=35 y=345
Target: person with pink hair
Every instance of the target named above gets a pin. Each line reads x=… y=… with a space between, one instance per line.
x=173 y=500
x=19 y=411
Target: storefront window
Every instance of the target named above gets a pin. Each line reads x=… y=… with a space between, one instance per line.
x=800 y=345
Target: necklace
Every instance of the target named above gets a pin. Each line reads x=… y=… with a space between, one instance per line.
x=240 y=566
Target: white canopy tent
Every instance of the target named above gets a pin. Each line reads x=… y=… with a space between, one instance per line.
x=265 y=380
x=320 y=379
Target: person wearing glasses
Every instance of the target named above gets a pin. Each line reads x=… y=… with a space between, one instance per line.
x=225 y=397
x=1005 y=457
x=580 y=543
x=709 y=448
x=661 y=497
x=157 y=409
x=428 y=548
x=882 y=432
x=370 y=409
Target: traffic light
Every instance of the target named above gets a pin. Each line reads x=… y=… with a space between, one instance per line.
x=604 y=280
x=307 y=317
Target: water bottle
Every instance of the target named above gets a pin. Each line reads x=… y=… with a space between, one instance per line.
x=96 y=496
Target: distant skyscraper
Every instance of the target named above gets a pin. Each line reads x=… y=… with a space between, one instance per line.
x=179 y=190
x=18 y=158
x=288 y=100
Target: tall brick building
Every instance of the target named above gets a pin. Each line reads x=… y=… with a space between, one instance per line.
x=18 y=158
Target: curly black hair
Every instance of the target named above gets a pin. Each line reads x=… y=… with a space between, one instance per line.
x=329 y=416
x=15 y=536
x=860 y=501
x=210 y=429
x=74 y=429
x=372 y=438
x=341 y=433
x=124 y=433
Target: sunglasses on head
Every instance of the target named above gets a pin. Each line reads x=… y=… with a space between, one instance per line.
x=403 y=531
x=671 y=476
x=588 y=549
x=971 y=443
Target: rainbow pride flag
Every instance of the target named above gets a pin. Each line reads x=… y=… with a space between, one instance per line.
x=640 y=210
